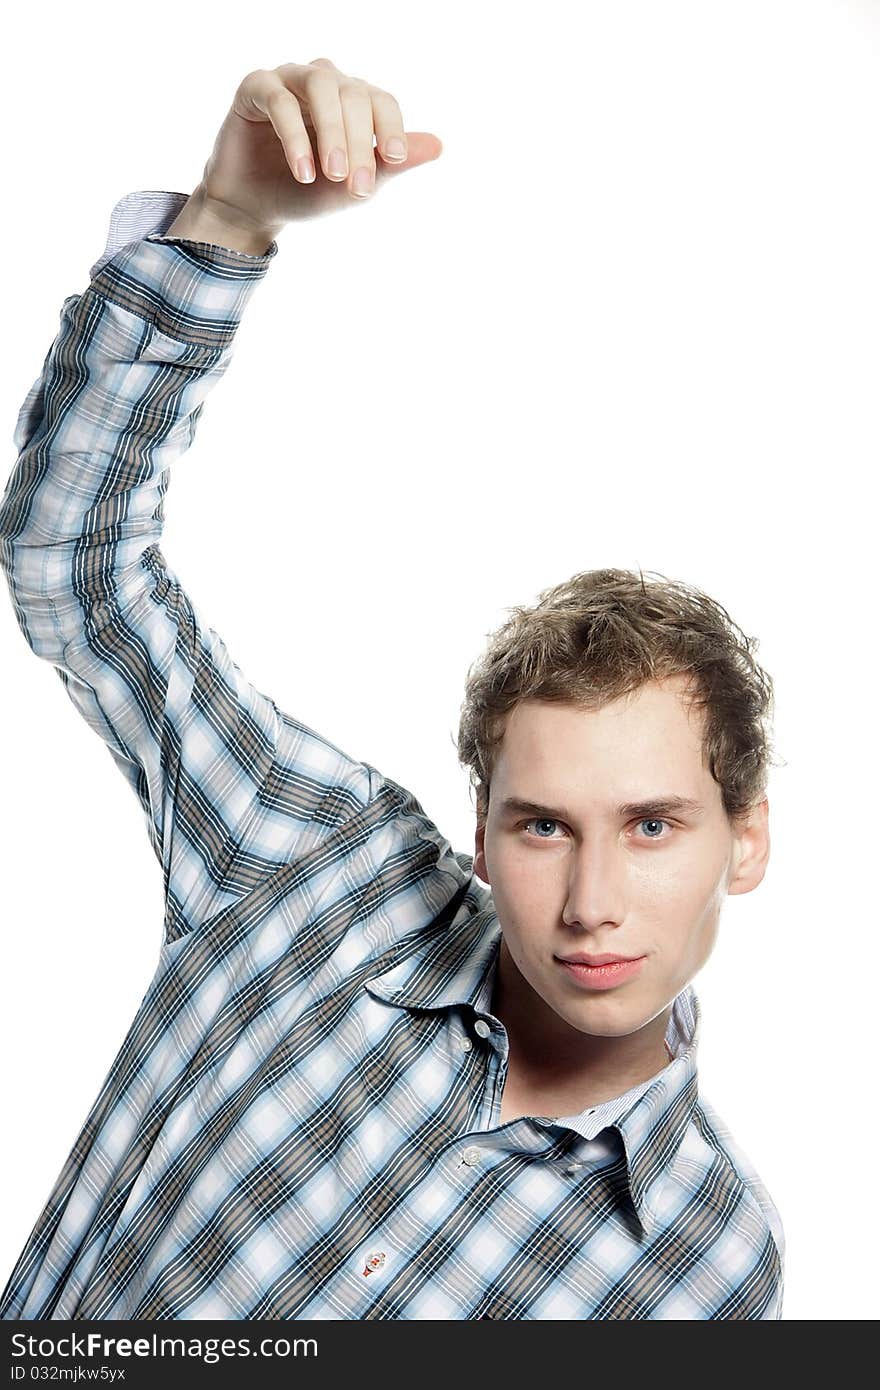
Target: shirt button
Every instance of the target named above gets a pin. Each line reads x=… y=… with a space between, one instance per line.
x=482 y=1028
x=572 y=1169
x=465 y=1044
x=472 y=1155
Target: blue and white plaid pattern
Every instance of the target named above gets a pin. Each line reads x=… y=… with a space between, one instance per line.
x=303 y=1121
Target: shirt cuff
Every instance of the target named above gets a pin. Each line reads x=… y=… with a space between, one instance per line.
x=136 y=216
x=190 y=290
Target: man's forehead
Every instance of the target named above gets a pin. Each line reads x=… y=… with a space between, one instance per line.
x=657 y=706
x=650 y=741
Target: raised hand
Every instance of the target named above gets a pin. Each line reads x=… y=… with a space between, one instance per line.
x=298 y=142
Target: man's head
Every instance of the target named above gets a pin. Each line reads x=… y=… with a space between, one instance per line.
x=617 y=737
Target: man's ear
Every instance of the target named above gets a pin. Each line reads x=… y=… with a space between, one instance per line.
x=751 y=849
x=480 y=868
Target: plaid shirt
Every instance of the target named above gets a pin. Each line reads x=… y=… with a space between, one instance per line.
x=303 y=1121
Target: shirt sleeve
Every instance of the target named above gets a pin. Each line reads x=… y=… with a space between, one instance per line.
x=117 y=401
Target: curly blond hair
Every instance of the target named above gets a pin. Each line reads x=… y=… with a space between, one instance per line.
x=604 y=633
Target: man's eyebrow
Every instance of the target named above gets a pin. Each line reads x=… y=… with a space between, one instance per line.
x=660 y=806
x=654 y=807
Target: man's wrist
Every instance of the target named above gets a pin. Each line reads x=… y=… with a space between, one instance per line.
x=200 y=219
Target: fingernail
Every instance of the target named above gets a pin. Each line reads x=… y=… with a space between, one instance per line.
x=395 y=149
x=337 y=164
x=362 y=183
x=305 y=169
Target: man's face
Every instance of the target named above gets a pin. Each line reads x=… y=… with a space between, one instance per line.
x=625 y=850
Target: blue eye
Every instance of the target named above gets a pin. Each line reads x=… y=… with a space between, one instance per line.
x=542 y=820
x=656 y=828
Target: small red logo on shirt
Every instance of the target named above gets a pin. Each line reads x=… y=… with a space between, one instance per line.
x=374 y=1261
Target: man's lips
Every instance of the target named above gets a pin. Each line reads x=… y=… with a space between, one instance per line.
x=602 y=971
x=581 y=959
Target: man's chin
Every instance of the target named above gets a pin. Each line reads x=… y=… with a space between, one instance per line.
x=603 y=1013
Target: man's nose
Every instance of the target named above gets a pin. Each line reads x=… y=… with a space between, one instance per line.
x=595 y=895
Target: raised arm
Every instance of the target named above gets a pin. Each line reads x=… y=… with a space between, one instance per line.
x=229 y=784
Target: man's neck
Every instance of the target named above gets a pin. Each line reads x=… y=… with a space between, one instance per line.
x=553 y=1068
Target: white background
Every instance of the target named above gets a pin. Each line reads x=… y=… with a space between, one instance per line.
x=629 y=318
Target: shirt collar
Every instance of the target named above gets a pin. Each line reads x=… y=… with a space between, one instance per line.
x=454 y=967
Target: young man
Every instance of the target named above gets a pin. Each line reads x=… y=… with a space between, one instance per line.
x=360 y=1084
